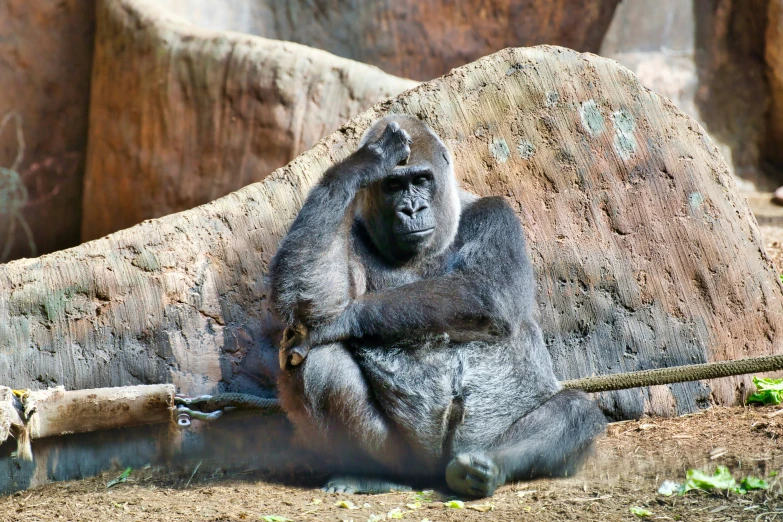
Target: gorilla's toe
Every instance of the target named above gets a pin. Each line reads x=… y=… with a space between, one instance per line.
x=473 y=474
x=370 y=486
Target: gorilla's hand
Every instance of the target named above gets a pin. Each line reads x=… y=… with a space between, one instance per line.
x=393 y=147
x=294 y=347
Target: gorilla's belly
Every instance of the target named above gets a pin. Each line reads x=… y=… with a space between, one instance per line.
x=433 y=387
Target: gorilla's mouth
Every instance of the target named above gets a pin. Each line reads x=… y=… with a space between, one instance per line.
x=419 y=233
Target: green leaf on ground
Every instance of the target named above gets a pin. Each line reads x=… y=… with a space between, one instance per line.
x=423 y=496
x=454 y=504
x=119 y=480
x=768 y=391
x=641 y=512
x=721 y=479
x=753 y=484
x=275 y=518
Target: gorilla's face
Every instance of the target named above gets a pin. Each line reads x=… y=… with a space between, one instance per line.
x=413 y=212
x=406 y=198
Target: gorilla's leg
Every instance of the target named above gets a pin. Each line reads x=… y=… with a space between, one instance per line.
x=328 y=400
x=550 y=441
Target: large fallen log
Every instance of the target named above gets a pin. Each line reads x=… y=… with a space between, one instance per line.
x=646 y=255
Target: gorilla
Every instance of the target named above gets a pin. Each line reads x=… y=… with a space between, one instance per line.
x=412 y=340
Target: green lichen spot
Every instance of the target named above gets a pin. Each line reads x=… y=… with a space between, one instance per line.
x=146 y=261
x=591 y=117
x=624 y=139
x=552 y=98
x=695 y=200
x=526 y=149
x=54 y=304
x=499 y=150
x=623 y=121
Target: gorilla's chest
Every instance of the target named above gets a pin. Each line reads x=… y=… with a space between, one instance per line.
x=380 y=276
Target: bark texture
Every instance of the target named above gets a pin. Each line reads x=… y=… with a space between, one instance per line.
x=56 y=412
x=181 y=116
x=45 y=57
x=419 y=39
x=646 y=254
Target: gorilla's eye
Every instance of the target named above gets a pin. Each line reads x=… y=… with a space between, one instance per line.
x=392 y=184
x=421 y=179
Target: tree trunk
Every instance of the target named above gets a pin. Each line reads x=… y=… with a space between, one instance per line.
x=180 y=116
x=646 y=254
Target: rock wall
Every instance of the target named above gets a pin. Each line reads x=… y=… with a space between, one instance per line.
x=195 y=119
x=646 y=254
x=420 y=39
x=45 y=58
x=707 y=56
x=774 y=59
x=180 y=116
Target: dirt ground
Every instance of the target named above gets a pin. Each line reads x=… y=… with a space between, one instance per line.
x=628 y=466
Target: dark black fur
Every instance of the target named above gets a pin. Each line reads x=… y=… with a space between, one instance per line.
x=420 y=350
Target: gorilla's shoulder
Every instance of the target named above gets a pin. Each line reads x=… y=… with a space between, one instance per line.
x=491 y=215
x=490 y=210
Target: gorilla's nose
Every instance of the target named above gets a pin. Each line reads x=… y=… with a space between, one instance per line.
x=411 y=209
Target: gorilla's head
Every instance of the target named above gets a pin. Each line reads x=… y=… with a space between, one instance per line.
x=412 y=213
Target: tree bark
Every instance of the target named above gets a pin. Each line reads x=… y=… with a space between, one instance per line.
x=180 y=116
x=646 y=254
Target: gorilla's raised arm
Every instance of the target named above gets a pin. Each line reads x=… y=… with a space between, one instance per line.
x=310 y=273
x=488 y=290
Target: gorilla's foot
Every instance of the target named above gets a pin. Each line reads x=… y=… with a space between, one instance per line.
x=369 y=486
x=473 y=475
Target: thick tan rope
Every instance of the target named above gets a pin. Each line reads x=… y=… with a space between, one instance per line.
x=599 y=383
x=689 y=372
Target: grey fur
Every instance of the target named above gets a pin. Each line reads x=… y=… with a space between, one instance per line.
x=422 y=355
